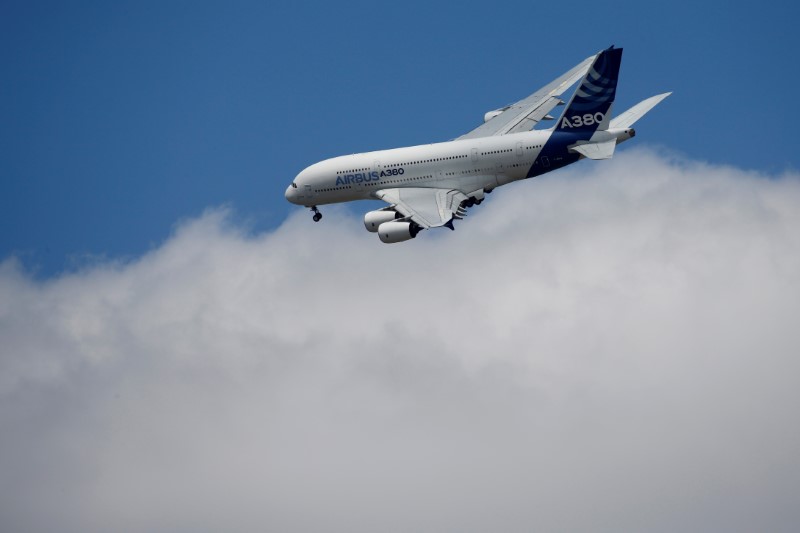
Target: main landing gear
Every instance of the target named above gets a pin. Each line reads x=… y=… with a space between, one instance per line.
x=317 y=215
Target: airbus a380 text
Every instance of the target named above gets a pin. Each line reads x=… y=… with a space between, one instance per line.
x=432 y=185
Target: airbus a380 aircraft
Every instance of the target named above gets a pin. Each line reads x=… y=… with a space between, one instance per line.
x=432 y=185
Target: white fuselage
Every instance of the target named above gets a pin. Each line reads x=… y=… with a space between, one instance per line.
x=468 y=166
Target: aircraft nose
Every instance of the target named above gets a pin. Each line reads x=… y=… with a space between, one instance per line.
x=291 y=194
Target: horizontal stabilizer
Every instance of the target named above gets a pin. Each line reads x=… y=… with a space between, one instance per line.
x=601 y=150
x=626 y=119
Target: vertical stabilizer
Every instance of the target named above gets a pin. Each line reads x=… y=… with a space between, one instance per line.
x=589 y=108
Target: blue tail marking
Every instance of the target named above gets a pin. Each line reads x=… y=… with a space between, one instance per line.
x=589 y=107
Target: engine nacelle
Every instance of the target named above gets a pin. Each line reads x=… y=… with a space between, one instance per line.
x=491 y=114
x=373 y=219
x=391 y=232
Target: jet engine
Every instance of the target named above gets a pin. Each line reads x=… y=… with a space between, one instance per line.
x=491 y=114
x=373 y=219
x=391 y=232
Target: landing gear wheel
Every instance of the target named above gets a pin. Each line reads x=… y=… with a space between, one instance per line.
x=317 y=215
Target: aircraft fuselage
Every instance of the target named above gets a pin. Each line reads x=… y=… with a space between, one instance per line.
x=467 y=165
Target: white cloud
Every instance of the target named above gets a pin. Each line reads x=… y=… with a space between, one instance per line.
x=613 y=347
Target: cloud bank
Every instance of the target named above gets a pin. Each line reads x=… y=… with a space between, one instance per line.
x=610 y=348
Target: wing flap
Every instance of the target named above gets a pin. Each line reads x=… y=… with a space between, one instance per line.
x=430 y=208
x=526 y=120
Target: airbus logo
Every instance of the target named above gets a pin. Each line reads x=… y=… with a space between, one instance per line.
x=362 y=177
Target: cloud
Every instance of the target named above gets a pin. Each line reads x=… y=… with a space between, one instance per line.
x=612 y=347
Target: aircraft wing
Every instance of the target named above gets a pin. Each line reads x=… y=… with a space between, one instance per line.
x=429 y=208
x=525 y=114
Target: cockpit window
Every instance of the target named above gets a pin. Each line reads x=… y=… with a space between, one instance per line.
x=294 y=185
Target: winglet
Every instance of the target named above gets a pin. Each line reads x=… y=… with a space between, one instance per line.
x=449 y=224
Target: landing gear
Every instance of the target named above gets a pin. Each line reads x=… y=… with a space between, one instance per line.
x=473 y=202
x=317 y=215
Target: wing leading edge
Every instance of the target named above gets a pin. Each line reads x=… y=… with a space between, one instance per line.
x=525 y=114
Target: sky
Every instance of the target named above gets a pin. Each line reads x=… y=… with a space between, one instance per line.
x=611 y=347
x=119 y=119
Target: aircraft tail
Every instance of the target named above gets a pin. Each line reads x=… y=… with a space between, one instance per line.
x=588 y=110
x=629 y=117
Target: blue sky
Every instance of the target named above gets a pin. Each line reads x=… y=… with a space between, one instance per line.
x=120 y=119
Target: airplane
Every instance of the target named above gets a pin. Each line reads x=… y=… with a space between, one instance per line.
x=432 y=185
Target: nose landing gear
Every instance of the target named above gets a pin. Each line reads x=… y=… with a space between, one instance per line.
x=317 y=215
